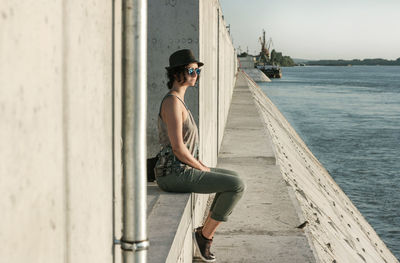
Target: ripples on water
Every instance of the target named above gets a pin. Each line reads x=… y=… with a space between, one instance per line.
x=349 y=117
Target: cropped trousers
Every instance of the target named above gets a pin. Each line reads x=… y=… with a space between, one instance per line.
x=226 y=184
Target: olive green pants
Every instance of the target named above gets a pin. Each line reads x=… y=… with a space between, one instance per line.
x=226 y=184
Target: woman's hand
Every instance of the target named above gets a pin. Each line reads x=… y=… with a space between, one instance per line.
x=204 y=168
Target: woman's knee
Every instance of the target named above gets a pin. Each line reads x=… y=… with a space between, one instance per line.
x=239 y=185
x=236 y=184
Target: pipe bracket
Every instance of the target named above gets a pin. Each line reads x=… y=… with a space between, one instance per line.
x=133 y=245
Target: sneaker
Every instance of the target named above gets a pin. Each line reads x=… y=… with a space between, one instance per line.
x=200 y=229
x=203 y=245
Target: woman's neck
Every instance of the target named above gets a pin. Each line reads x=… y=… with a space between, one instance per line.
x=179 y=90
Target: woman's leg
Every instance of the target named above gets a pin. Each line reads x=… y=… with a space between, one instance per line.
x=224 y=171
x=219 y=170
x=209 y=227
x=225 y=183
x=229 y=188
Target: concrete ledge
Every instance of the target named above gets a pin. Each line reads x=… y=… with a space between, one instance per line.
x=168 y=218
x=171 y=218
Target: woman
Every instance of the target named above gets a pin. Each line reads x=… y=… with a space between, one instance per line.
x=178 y=168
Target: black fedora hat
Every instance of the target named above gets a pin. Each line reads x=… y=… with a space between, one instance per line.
x=182 y=57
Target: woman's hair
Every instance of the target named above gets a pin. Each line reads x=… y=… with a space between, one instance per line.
x=177 y=73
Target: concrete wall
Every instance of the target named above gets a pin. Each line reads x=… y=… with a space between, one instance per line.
x=228 y=66
x=57 y=131
x=246 y=62
x=217 y=82
x=197 y=25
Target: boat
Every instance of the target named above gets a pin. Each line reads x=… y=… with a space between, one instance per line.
x=264 y=62
x=272 y=72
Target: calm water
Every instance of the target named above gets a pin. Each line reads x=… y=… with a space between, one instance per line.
x=350 y=119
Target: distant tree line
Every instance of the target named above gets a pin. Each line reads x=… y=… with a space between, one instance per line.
x=277 y=59
x=355 y=62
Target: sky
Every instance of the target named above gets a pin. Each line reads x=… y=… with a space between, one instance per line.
x=317 y=29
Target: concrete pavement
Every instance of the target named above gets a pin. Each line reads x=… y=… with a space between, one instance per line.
x=263 y=227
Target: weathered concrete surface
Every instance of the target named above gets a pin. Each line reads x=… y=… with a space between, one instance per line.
x=169 y=219
x=246 y=62
x=256 y=74
x=262 y=228
x=338 y=231
x=56 y=171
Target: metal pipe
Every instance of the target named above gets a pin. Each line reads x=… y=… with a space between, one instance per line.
x=134 y=241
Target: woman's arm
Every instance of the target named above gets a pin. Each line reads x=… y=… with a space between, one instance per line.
x=172 y=115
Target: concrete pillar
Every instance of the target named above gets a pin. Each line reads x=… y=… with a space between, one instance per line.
x=87 y=112
x=57 y=131
x=32 y=178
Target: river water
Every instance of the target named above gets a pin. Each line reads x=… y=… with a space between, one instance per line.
x=349 y=117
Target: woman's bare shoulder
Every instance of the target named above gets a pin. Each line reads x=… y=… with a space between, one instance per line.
x=171 y=105
x=171 y=102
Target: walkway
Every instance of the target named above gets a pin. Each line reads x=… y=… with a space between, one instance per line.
x=263 y=228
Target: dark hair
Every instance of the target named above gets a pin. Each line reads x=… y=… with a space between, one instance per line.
x=175 y=74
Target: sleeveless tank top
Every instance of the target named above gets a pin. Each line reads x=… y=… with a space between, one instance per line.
x=167 y=161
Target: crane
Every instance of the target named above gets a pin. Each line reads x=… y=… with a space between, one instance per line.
x=265 y=48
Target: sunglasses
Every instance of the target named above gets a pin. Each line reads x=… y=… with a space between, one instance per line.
x=191 y=71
